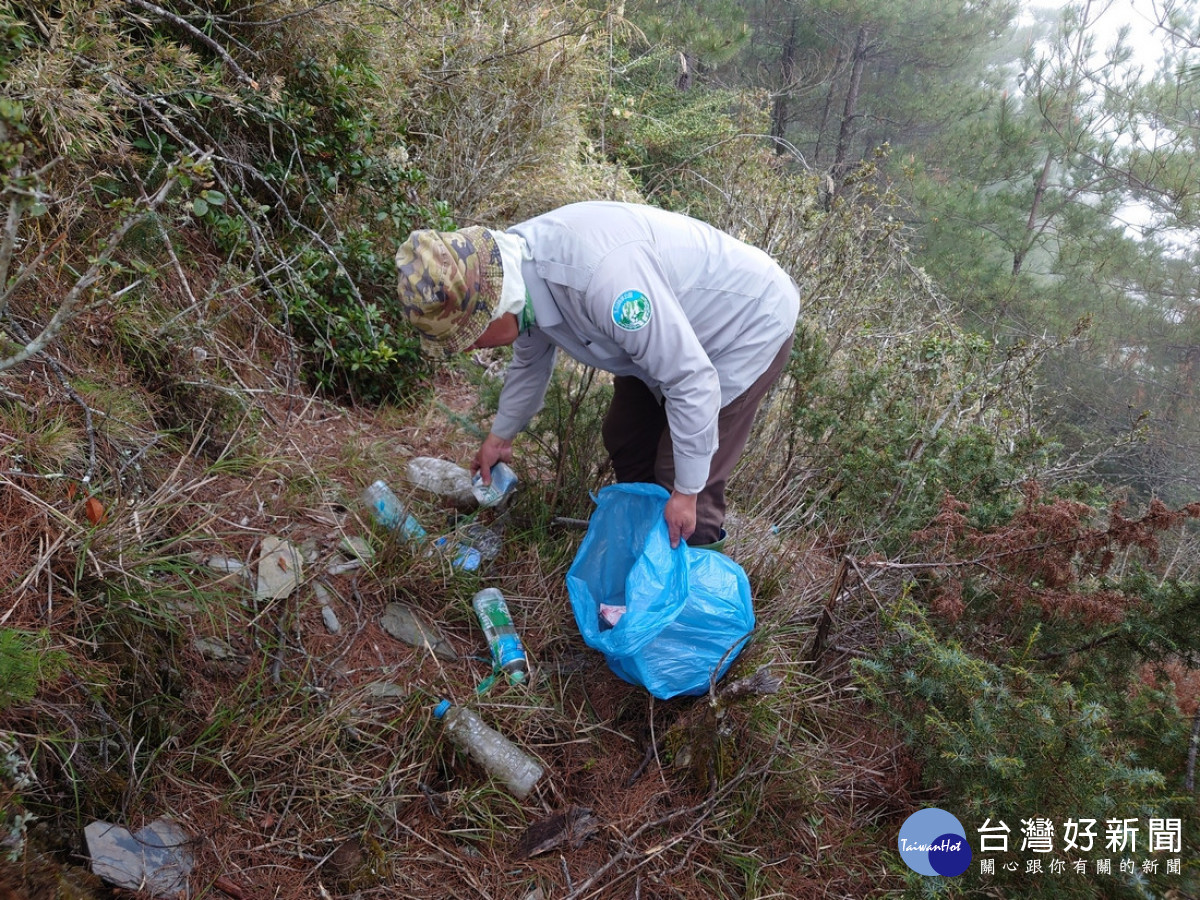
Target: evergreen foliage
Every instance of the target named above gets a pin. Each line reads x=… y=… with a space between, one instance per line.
x=1068 y=683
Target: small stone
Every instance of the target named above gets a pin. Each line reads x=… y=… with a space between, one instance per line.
x=279 y=567
x=403 y=623
x=341 y=566
x=358 y=548
x=214 y=649
x=328 y=616
x=385 y=690
x=156 y=859
x=360 y=553
x=324 y=598
x=572 y=827
x=221 y=656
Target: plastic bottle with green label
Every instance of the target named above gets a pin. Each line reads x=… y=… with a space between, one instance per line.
x=508 y=654
x=503 y=483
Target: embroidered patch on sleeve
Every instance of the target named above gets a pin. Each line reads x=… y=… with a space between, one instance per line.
x=631 y=311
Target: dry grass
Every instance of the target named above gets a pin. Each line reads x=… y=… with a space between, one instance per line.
x=299 y=781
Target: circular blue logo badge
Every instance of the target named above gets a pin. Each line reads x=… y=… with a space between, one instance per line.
x=933 y=842
x=632 y=311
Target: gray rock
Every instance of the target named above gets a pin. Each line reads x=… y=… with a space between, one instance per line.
x=328 y=616
x=341 y=566
x=224 y=564
x=358 y=548
x=156 y=859
x=360 y=554
x=214 y=649
x=279 y=568
x=385 y=691
x=402 y=622
x=221 y=656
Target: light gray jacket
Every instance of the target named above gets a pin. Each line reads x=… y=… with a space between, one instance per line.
x=693 y=312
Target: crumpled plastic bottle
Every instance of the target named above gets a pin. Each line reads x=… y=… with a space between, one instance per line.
x=443 y=478
x=504 y=482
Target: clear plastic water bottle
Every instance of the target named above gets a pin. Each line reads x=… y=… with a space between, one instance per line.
x=462 y=556
x=508 y=654
x=486 y=540
x=443 y=478
x=503 y=760
x=389 y=512
x=504 y=482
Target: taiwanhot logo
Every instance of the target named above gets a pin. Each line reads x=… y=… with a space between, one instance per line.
x=933 y=842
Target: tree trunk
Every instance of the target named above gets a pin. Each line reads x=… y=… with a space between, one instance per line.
x=850 y=109
x=833 y=78
x=779 y=109
x=1030 y=225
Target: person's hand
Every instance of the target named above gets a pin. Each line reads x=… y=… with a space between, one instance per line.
x=681 y=516
x=493 y=450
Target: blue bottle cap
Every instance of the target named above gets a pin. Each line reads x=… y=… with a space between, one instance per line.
x=441 y=709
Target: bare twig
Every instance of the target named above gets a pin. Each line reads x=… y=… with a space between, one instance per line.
x=8 y=241
x=67 y=309
x=197 y=34
x=28 y=270
x=307 y=11
x=826 y=622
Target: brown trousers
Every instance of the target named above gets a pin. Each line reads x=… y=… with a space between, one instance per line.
x=639 y=442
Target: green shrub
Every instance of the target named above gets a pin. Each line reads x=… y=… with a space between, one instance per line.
x=1009 y=741
x=355 y=345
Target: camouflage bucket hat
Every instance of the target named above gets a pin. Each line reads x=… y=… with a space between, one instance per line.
x=449 y=283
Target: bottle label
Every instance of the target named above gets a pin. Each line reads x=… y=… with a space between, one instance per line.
x=468 y=559
x=412 y=530
x=497 y=616
x=504 y=482
x=504 y=642
x=507 y=651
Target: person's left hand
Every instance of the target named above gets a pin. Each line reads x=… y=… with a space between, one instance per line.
x=681 y=516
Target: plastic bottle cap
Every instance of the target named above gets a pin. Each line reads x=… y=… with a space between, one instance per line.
x=441 y=709
x=516 y=677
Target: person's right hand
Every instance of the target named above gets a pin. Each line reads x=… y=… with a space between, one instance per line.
x=493 y=450
x=681 y=517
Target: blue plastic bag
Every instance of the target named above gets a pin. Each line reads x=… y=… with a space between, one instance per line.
x=688 y=612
